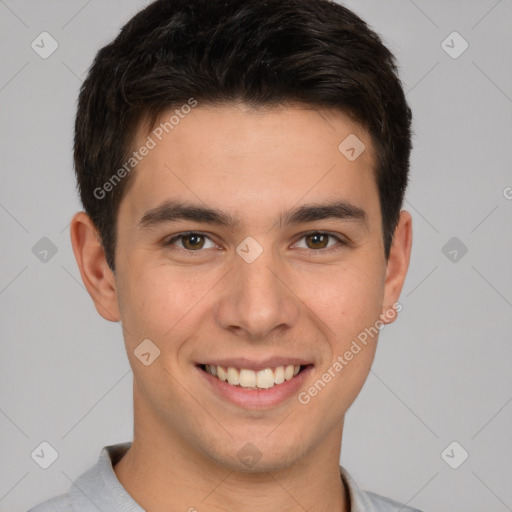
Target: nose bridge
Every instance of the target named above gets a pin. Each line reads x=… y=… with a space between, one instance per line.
x=256 y=300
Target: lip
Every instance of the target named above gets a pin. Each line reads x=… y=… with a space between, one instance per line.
x=256 y=366
x=257 y=399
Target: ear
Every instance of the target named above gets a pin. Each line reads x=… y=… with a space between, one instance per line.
x=396 y=268
x=96 y=274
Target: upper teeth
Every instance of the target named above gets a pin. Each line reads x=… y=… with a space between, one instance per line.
x=263 y=379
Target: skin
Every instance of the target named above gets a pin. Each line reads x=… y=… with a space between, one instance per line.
x=293 y=300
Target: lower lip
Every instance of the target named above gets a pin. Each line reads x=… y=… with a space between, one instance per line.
x=256 y=398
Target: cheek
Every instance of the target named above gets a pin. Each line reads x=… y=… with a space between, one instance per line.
x=159 y=303
x=147 y=303
x=347 y=300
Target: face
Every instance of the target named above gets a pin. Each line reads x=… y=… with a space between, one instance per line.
x=273 y=258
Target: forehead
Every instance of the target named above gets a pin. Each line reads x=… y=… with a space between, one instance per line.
x=252 y=161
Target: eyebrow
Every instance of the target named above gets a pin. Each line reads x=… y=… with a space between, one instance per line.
x=172 y=210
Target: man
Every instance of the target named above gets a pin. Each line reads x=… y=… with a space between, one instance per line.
x=242 y=167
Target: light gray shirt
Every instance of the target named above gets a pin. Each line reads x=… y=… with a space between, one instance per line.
x=98 y=489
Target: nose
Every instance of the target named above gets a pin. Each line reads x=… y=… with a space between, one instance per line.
x=257 y=300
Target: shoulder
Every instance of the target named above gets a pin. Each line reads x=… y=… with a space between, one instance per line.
x=367 y=501
x=59 y=503
x=97 y=489
x=383 y=504
x=67 y=502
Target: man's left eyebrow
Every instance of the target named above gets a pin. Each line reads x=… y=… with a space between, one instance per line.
x=342 y=210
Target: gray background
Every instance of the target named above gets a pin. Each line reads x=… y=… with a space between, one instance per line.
x=442 y=371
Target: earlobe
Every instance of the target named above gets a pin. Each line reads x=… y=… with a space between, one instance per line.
x=397 y=266
x=96 y=274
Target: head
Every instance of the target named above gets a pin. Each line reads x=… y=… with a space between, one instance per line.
x=236 y=114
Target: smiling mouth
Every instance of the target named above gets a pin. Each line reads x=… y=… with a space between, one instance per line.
x=249 y=379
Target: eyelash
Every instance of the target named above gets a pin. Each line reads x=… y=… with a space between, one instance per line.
x=169 y=243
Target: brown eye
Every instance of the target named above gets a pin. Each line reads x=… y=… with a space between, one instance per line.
x=321 y=242
x=318 y=240
x=191 y=242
